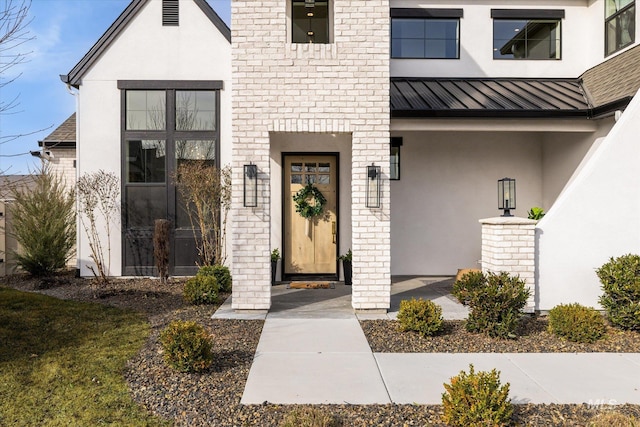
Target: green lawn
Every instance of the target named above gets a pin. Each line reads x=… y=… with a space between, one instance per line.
x=61 y=362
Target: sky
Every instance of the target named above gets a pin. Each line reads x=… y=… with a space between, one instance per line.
x=64 y=31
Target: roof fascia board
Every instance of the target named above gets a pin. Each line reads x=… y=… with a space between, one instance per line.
x=497 y=114
x=493 y=125
x=57 y=144
x=609 y=108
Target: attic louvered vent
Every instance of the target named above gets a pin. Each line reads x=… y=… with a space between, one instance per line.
x=170 y=14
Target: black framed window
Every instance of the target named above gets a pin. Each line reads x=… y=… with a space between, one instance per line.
x=425 y=33
x=165 y=123
x=527 y=33
x=394 y=158
x=425 y=38
x=526 y=38
x=310 y=21
x=620 y=25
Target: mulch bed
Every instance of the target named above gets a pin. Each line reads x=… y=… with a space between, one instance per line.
x=213 y=398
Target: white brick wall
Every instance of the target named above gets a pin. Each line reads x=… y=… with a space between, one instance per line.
x=342 y=87
x=508 y=244
x=63 y=163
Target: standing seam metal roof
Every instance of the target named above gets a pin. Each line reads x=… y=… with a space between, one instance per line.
x=439 y=97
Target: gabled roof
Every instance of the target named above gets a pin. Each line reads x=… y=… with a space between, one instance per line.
x=74 y=78
x=614 y=80
x=64 y=136
x=500 y=98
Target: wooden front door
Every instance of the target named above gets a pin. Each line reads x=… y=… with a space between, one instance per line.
x=310 y=244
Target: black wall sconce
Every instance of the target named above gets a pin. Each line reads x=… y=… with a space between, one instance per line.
x=506 y=195
x=373 y=187
x=250 y=186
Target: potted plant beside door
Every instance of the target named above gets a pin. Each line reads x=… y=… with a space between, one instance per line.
x=275 y=256
x=346 y=267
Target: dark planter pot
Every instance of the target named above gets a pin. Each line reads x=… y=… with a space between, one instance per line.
x=346 y=267
x=274 y=270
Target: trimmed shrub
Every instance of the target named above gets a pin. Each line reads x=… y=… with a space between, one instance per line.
x=576 y=323
x=201 y=290
x=614 y=419
x=221 y=273
x=496 y=306
x=422 y=316
x=467 y=284
x=476 y=399
x=309 y=417
x=187 y=346
x=43 y=223
x=620 y=278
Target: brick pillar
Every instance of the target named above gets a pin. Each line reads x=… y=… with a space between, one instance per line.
x=508 y=244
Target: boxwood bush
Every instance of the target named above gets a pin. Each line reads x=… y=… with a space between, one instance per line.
x=221 y=273
x=476 y=399
x=463 y=288
x=495 y=305
x=201 y=290
x=576 y=323
x=422 y=316
x=187 y=346
x=620 y=278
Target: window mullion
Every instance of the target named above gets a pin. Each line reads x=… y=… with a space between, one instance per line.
x=171 y=156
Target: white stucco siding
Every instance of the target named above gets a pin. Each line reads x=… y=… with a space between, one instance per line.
x=448 y=182
x=146 y=50
x=561 y=155
x=98 y=148
x=595 y=218
x=582 y=42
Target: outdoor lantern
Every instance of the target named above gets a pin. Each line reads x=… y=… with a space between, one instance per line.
x=250 y=186
x=506 y=195
x=373 y=187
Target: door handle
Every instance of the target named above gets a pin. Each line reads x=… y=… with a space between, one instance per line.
x=333 y=230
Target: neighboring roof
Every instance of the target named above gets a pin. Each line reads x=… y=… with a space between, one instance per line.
x=614 y=80
x=64 y=136
x=74 y=78
x=500 y=98
x=7 y=182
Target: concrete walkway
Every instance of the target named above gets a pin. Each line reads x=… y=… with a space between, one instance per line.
x=314 y=351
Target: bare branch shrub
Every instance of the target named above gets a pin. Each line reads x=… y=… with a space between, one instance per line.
x=99 y=203
x=206 y=192
x=161 y=247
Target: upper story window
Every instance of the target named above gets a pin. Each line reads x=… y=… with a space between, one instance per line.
x=310 y=21
x=620 y=24
x=425 y=33
x=527 y=33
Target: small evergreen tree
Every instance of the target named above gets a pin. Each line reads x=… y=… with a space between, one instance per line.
x=43 y=223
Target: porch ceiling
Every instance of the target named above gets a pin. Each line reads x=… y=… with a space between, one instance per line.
x=497 y=98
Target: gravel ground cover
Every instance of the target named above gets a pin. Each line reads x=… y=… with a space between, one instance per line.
x=212 y=398
x=384 y=336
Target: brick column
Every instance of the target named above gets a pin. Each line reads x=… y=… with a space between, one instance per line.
x=508 y=244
